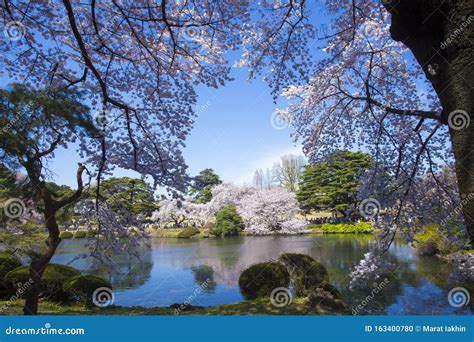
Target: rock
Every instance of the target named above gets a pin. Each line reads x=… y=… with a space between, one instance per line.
x=306 y=273
x=261 y=279
x=324 y=300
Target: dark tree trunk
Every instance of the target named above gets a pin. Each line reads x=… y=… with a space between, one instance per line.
x=51 y=207
x=39 y=264
x=440 y=34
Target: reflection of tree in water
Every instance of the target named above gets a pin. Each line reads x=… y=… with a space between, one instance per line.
x=204 y=278
x=126 y=271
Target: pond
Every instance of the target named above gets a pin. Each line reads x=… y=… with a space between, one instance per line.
x=173 y=270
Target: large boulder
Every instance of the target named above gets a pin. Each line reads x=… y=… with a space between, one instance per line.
x=261 y=279
x=306 y=273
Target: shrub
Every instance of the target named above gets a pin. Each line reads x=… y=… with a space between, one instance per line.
x=52 y=282
x=80 y=234
x=431 y=240
x=81 y=288
x=66 y=235
x=261 y=279
x=347 y=228
x=228 y=222
x=305 y=272
x=8 y=262
x=188 y=232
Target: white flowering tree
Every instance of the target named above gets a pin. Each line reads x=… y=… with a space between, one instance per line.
x=271 y=211
x=394 y=79
x=177 y=212
x=136 y=63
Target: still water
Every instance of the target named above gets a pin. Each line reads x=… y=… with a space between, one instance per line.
x=172 y=270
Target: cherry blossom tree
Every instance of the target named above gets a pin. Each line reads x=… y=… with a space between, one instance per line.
x=410 y=111
x=137 y=64
x=179 y=212
x=271 y=211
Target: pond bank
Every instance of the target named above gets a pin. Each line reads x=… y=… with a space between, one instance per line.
x=262 y=306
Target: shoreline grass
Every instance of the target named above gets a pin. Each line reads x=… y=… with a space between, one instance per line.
x=261 y=306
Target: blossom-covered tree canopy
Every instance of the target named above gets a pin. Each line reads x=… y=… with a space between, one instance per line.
x=264 y=211
x=139 y=63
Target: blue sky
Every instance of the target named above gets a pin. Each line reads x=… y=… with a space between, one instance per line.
x=232 y=134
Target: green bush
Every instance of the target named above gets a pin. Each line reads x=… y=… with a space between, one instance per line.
x=91 y=233
x=66 y=235
x=80 y=234
x=54 y=277
x=8 y=262
x=81 y=288
x=188 y=232
x=431 y=240
x=347 y=228
x=305 y=272
x=228 y=222
x=261 y=279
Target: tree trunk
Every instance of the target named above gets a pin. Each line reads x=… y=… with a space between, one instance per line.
x=51 y=207
x=39 y=264
x=440 y=33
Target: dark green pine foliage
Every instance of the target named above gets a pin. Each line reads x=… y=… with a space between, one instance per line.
x=333 y=183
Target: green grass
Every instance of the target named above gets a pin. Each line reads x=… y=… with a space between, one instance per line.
x=341 y=228
x=261 y=306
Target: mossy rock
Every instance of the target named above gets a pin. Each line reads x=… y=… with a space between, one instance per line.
x=54 y=277
x=332 y=290
x=306 y=273
x=261 y=279
x=8 y=262
x=66 y=235
x=325 y=300
x=188 y=232
x=80 y=234
x=81 y=288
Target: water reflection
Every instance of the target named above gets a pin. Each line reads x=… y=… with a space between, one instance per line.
x=172 y=270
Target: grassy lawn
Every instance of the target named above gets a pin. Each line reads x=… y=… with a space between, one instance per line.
x=261 y=306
